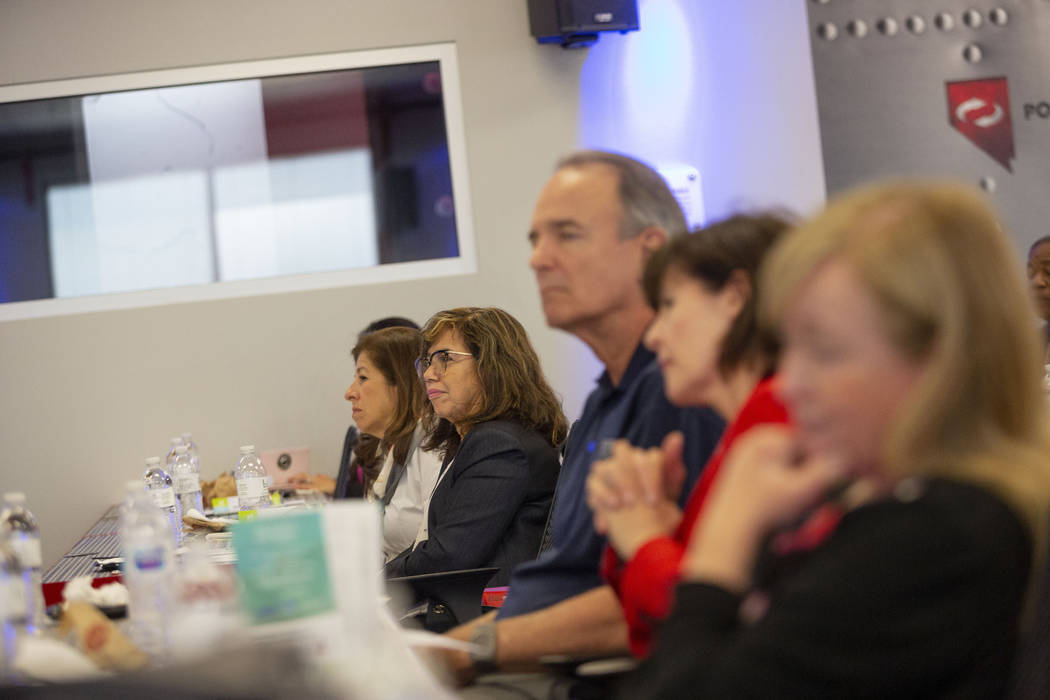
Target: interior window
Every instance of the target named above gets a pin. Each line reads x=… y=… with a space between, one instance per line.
x=217 y=181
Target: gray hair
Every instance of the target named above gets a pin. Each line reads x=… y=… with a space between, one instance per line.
x=644 y=195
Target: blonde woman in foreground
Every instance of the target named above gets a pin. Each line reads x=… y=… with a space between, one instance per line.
x=911 y=371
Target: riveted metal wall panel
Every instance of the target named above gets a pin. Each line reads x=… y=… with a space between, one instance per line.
x=957 y=88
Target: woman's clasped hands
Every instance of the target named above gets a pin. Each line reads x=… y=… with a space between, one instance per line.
x=634 y=492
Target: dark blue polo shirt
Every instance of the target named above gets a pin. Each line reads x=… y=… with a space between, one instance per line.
x=637 y=411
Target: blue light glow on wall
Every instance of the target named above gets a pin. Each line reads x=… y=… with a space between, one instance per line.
x=725 y=87
x=637 y=90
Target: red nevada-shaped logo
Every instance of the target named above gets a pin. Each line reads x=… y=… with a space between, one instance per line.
x=980 y=111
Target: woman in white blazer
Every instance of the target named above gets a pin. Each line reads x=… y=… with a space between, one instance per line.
x=388 y=399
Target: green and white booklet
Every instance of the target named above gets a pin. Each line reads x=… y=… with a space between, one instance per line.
x=314 y=578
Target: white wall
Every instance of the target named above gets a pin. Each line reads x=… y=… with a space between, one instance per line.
x=726 y=87
x=84 y=398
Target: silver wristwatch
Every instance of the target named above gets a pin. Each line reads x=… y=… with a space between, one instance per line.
x=483 y=653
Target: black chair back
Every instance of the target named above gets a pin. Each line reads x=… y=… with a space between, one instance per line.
x=345 y=481
x=453 y=597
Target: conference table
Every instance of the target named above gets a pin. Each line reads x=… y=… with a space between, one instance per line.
x=101 y=541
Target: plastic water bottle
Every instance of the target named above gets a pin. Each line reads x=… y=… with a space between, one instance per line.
x=149 y=566
x=206 y=600
x=20 y=531
x=162 y=492
x=252 y=494
x=187 y=478
x=169 y=459
x=191 y=447
x=12 y=611
x=187 y=440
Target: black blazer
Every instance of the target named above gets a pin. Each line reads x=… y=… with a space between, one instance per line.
x=490 y=508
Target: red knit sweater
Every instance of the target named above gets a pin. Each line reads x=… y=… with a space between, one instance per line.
x=646 y=583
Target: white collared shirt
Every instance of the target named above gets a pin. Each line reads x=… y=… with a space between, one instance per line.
x=406 y=512
x=424 y=525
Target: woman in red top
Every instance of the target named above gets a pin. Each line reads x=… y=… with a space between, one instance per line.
x=704 y=289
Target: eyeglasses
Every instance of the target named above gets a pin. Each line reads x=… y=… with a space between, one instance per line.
x=439 y=359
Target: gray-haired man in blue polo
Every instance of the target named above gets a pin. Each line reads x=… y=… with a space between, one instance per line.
x=595 y=223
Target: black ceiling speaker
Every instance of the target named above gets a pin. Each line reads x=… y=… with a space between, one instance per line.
x=576 y=23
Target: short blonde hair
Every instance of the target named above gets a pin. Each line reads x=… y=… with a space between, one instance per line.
x=951 y=294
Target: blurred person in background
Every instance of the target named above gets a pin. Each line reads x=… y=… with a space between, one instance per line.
x=1039 y=282
x=933 y=451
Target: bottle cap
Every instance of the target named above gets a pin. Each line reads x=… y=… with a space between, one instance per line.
x=180 y=449
x=175 y=441
x=187 y=438
x=245 y=449
x=152 y=460
x=15 y=497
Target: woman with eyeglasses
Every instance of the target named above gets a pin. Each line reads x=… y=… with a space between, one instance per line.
x=388 y=404
x=497 y=424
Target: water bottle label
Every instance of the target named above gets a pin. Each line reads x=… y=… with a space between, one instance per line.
x=18 y=598
x=225 y=504
x=13 y=600
x=188 y=483
x=27 y=549
x=149 y=558
x=163 y=497
x=252 y=487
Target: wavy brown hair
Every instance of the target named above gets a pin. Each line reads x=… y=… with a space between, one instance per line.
x=512 y=383
x=393 y=352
